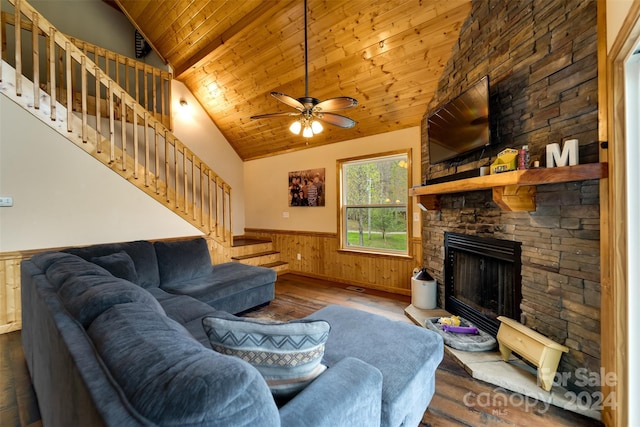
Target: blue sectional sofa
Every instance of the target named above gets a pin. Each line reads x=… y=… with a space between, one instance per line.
x=113 y=335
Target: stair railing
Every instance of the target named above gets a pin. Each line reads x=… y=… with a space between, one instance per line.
x=136 y=143
x=150 y=86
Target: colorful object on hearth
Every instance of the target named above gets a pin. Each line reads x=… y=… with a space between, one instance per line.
x=481 y=341
x=460 y=329
x=451 y=321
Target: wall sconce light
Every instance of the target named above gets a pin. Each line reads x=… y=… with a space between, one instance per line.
x=185 y=111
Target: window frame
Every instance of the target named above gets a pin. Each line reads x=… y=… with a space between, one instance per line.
x=342 y=207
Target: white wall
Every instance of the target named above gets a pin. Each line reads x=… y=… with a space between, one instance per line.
x=64 y=197
x=266 y=181
x=617 y=11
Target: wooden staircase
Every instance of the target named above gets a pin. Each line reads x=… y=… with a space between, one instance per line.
x=257 y=251
x=76 y=98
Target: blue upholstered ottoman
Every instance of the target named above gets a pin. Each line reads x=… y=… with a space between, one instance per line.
x=407 y=355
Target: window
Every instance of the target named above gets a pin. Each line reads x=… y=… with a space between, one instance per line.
x=374 y=213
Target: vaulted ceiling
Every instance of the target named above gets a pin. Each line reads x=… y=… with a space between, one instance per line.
x=388 y=54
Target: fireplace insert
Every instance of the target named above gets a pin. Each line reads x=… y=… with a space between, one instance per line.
x=482 y=279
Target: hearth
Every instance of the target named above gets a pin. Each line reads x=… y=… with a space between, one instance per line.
x=482 y=279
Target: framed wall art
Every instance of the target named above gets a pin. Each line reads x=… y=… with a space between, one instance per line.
x=306 y=188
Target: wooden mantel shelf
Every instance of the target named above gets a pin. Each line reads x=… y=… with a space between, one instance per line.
x=512 y=191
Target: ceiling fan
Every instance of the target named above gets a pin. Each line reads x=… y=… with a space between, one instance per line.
x=311 y=111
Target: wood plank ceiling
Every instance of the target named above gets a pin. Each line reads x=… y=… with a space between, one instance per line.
x=388 y=54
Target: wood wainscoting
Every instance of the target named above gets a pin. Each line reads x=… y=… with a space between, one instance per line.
x=10 y=300
x=321 y=257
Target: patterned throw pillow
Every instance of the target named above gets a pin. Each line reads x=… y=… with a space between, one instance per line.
x=288 y=355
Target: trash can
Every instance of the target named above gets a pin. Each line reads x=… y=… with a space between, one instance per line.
x=424 y=290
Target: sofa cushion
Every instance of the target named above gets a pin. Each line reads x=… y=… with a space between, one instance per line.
x=182 y=308
x=86 y=297
x=61 y=266
x=45 y=260
x=172 y=379
x=119 y=264
x=230 y=286
x=288 y=355
x=182 y=260
x=141 y=252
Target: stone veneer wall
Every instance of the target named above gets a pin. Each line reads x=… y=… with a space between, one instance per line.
x=541 y=58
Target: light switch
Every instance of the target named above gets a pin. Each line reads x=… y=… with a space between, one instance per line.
x=6 y=201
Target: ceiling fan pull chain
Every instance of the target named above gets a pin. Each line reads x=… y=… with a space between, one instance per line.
x=306 y=54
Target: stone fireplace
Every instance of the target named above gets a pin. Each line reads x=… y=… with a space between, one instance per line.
x=482 y=279
x=541 y=59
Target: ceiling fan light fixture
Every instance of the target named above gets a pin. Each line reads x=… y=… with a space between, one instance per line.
x=316 y=127
x=307 y=132
x=296 y=127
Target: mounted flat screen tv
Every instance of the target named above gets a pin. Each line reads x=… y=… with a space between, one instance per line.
x=462 y=125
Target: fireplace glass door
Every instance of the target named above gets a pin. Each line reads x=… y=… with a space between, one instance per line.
x=483 y=279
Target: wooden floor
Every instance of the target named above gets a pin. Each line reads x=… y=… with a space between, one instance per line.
x=459 y=400
x=18 y=404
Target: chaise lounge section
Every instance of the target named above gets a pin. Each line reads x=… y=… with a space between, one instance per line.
x=406 y=357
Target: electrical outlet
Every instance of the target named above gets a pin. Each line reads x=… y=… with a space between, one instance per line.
x=299 y=257
x=6 y=201
x=285 y=214
x=416 y=217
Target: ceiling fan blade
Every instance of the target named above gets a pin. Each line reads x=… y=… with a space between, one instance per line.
x=291 y=102
x=336 y=120
x=339 y=103
x=266 y=116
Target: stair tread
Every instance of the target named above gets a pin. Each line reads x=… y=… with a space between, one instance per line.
x=254 y=255
x=274 y=264
x=247 y=241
